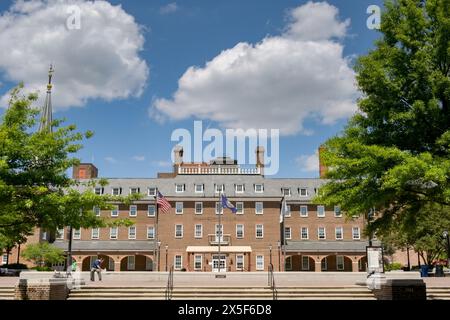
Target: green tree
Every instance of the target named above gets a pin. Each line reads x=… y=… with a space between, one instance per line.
x=43 y=254
x=35 y=190
x=393 y=156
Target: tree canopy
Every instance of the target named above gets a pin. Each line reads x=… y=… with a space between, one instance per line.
x=393 y=156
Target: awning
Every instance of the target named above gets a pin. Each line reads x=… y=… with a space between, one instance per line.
x=224 y=249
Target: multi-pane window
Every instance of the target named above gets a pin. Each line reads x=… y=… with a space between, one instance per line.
x=179 y=188
x=239 y=208
x=239 y=188
x=321 y=235
x=340 y=263
x=134 y=190
x=259 y=231
x=337 y=211
x=240 y=231
x=321 y=211
x=286 y=192
x=198 y=262
x=178 y=231
x=303 y=192
x=115 y=211
x=116 y=191
x=259 y=208
x=76 y=234
x=239 y=262
x=259 y=262
x=95 y=233
x=287 y=233
x=178 y=262
x=131 y=262
x=60 y=234
x=151 y=211
x=259 y=188
x=133 y=210
x=150 y=232
x=288 y=263
x=305 y=263
x=198 y=231
x=304 y=234
x=219 y=209
x=288 y=211
x=199 y=188
x=324 y=264
x=303 y=211
x=198 y=207
x=99 y=191
x=4 y=258
x=151 y=192
x=132 y=232
x=356 y=233
x=179 y=207
x=97 y=211
x=339 y=233
x=113 y=232
x=219 y=188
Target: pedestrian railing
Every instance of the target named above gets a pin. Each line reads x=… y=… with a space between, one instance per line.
x=169 y=287
x=271 y=282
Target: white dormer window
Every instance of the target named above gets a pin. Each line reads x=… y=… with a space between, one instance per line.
x=134 y=190
x=303 y=192
x=199 y=188
x=286 y=192
x=99 y=191
x=220 y=188
x=151 y=192
x=259 y=188
x=179 y=188
x=116 y=191
x=239 y=188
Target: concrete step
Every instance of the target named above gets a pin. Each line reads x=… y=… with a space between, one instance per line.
x=6 y=293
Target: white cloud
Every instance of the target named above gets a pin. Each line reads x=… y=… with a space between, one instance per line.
x=99 y=60
x=275 y=83
x=308 y=163
x=139 y=158
x=110 y=159
x=162 y=163
x=170 y=8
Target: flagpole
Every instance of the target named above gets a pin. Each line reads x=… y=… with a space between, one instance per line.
x=155 y=241
x=220 y=226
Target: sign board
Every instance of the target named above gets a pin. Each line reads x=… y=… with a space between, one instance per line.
x=375 y=260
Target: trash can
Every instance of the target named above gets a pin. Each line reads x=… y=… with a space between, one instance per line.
x=424 y=270
x=439 y=271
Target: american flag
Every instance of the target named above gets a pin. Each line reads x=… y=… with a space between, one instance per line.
x=163 y=203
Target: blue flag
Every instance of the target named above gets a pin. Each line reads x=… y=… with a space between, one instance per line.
x=227 y=204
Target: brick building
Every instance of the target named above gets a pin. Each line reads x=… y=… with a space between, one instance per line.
x=317 y=238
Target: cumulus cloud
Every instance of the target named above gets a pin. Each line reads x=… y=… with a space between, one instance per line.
x=308 y=163
x=275 y=83
x=100 y=60
x=170 y=8
x=139 y=158
x=110 y=159
x=162 y=163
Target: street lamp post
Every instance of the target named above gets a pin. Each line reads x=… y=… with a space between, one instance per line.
x=447 y=237
x=270 y=253
x=159 y=249
x=167 y=247
x=279 y=255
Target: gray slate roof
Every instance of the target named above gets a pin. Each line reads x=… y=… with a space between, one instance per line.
x=109 y=245
x=328 y=246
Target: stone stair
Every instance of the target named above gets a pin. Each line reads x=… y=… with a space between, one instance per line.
x=223 y=293
x=6 y=293
x=438 y=293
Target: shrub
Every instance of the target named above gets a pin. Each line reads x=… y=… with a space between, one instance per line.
x=17 y=266
x=393 y=266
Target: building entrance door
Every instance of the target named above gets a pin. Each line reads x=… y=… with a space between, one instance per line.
x=215 y=263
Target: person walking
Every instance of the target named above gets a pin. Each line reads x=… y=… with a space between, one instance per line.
x=97 y=267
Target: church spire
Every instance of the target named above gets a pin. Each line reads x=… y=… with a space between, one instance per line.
x=46 y=115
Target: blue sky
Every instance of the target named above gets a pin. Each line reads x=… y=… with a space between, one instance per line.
x=124 y=102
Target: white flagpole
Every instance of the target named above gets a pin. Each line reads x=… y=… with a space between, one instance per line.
x=155 y=240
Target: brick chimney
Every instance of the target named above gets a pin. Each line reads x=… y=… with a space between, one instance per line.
x=177 y=158
x=85 y=171
x=322 y=167
x=260 y=158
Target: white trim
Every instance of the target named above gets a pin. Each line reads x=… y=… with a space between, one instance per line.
x=324 y=233
x=195 y=207
x=359 y=233
x=195 y=188
x=131 y=263
x=116 y=188
x=340 y=212
x=148 y=229
x=219 y=205
x=154 y=210
x=289 y=263
x=283 y=193
x=336 y=233
x=76 y=234
x=201 y=262
x=303 y=264
x=324 y=266
x=201 y=231
x=136 y=189
x=151 y=194
x=337 y=263
x=290 y=233
x=135 y=212
x=111 y=233
x=262 y=188
x=318 y=211
x=256 y=231
x=60 y=234
x=307 y=233
x=243 y=227
x=241 y=256
x=130 y=236
x=175 y=262
x=98 y=233
x=102 y=190
x=306 y=214
x=260 y=260
x=288 y=213
x=183 y=188
x=217 y=190
x=300 y=192
x=116 y=209
x=242 y=211
x=176 y=207
x=4 y=258
x=179 y=237
x=262 y=207
x=236 y=188
x=97 y=211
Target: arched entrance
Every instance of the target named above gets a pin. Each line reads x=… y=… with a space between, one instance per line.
x=136 y=263
x=362 y=264
x=108 y=262
x=336 y=263
x=300 y=263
